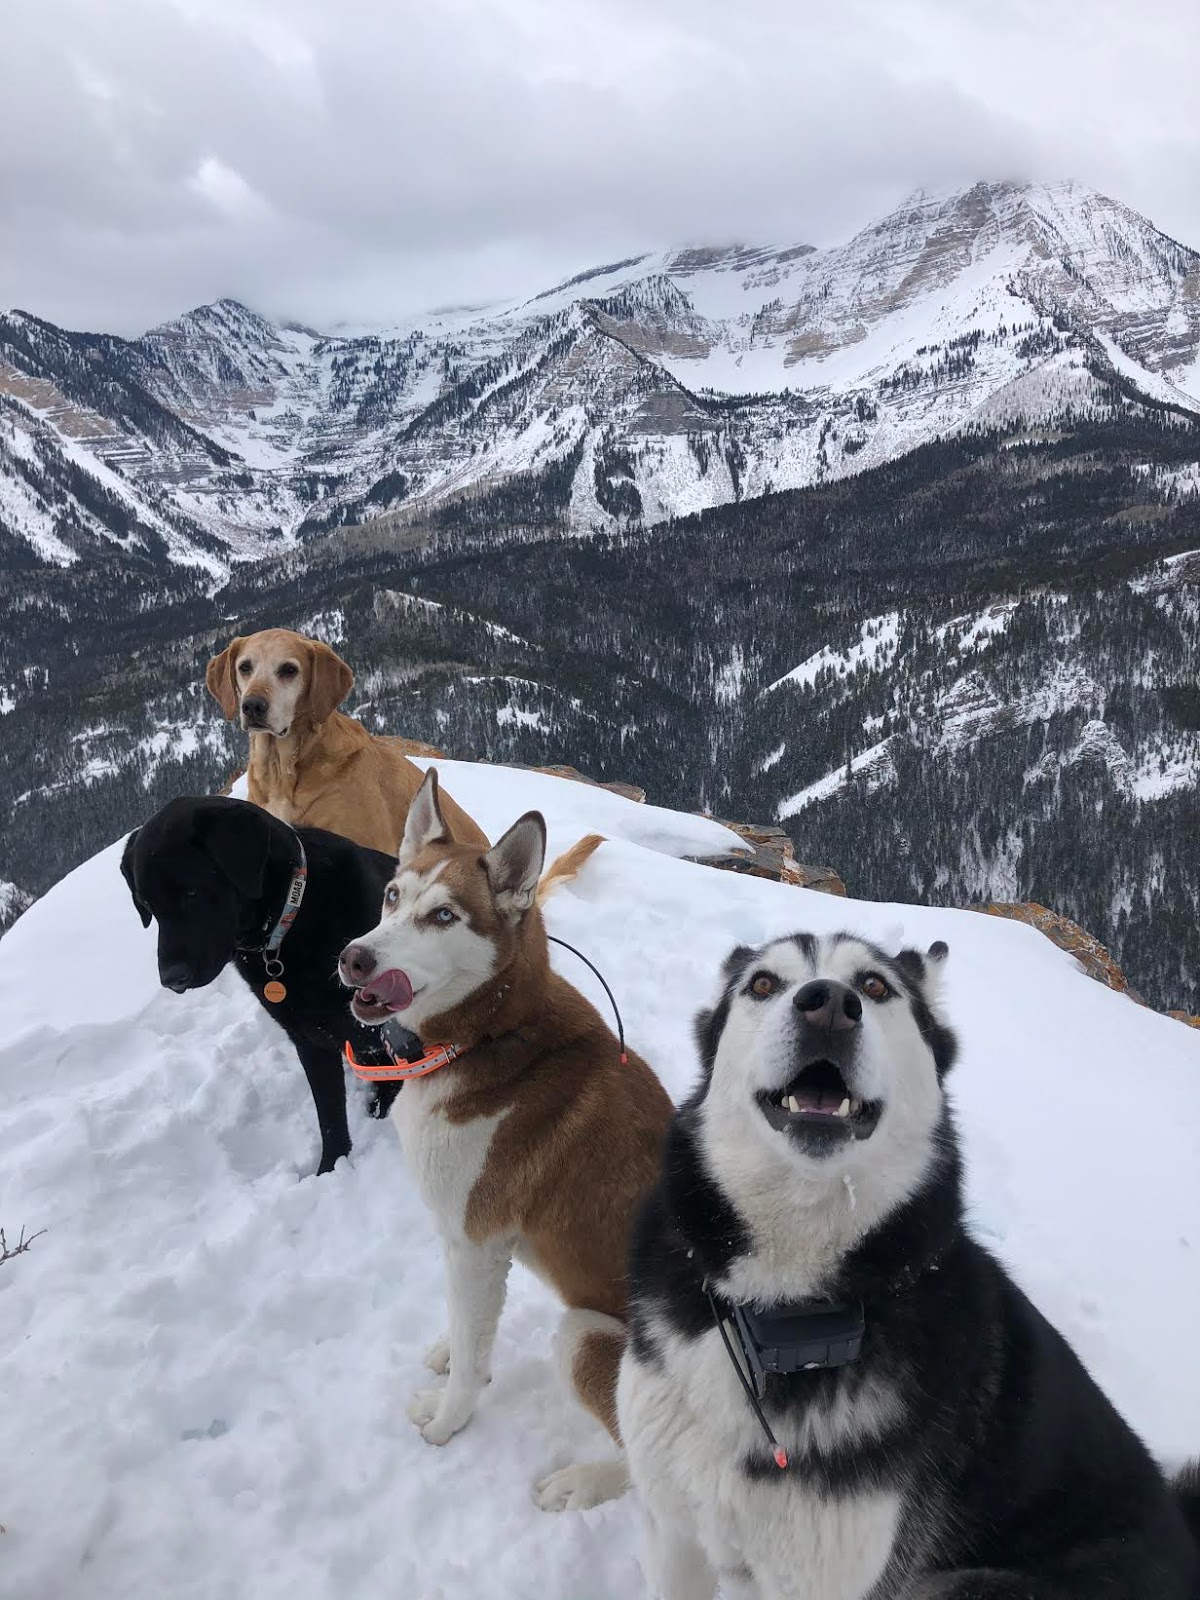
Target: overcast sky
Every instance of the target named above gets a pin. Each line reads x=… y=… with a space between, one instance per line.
x=356 y=160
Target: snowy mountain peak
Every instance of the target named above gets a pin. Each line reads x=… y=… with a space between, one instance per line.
x=227 y=320
x=691 y=376
x=223 y=343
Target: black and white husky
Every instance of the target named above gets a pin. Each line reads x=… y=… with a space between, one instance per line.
x=965 y=1454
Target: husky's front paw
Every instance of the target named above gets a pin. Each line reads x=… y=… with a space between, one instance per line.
x=580 y=1487
x=437 y=1421
x=437 y=1357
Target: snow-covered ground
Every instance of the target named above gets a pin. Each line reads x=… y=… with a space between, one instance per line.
x=205 y=1358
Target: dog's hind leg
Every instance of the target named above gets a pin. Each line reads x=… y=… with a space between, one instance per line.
x=475 y=1278
x=326 y=1076
x=588 y=1351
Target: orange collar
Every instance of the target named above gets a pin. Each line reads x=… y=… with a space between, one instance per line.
x=438 y=1055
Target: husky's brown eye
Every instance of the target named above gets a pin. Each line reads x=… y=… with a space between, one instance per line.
x=763 y=985
x=875 y=987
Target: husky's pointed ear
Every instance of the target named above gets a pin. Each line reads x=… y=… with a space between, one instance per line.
x=424 y=824
x=220 y=681
x=143 y=909
x=736 y=960
x=514 y=865
x=924 y=972
x=330 y=680
x=935 y=972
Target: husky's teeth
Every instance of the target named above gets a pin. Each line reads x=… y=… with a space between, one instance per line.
x=844 y=1109
x=793 y=1104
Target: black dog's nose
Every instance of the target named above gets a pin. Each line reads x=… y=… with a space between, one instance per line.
x=176 y=976
x=824 y=1004
x=357 y=963
x=254 y=707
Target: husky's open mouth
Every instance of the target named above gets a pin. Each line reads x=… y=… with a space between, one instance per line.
x=818 y=1098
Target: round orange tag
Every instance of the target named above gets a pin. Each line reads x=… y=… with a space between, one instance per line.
x=274 y=992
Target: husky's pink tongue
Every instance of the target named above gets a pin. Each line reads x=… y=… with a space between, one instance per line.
x=818 y=1099
x=391 y=989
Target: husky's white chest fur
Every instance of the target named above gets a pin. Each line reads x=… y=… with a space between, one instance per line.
x=689 y=1431
x=445 y=1158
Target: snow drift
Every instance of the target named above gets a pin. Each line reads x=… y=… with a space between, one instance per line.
x=206 y=1357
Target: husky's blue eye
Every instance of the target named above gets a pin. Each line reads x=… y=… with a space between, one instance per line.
x=444 y=916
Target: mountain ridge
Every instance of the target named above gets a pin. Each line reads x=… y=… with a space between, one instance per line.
x=714 y=372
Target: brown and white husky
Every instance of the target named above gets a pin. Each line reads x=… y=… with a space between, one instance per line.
x=536 y=1142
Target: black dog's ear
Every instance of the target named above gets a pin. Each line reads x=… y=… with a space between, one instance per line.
x=237 y=842
x=127 y=873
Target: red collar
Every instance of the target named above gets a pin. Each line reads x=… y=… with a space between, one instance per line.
x=438 y=1055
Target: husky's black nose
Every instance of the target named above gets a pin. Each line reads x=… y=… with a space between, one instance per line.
x=824 y=1004
x=254 y=708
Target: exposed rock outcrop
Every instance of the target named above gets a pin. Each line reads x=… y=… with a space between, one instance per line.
x=771 y=854
x=1091 y=955
x=629 y=790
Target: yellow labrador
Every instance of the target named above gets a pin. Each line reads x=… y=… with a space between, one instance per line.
x=309 y=763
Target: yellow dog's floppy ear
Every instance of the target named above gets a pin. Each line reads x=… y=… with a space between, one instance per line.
x=330 y=680
x=219 y=679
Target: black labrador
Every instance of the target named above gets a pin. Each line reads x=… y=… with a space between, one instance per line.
x=216 y=876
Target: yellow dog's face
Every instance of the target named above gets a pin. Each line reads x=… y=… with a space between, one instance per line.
x=273 y=680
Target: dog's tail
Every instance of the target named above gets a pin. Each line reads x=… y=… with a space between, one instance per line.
x=1187 y=1492
x=567 y=865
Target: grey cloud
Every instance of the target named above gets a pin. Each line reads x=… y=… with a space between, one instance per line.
x=334 y=159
